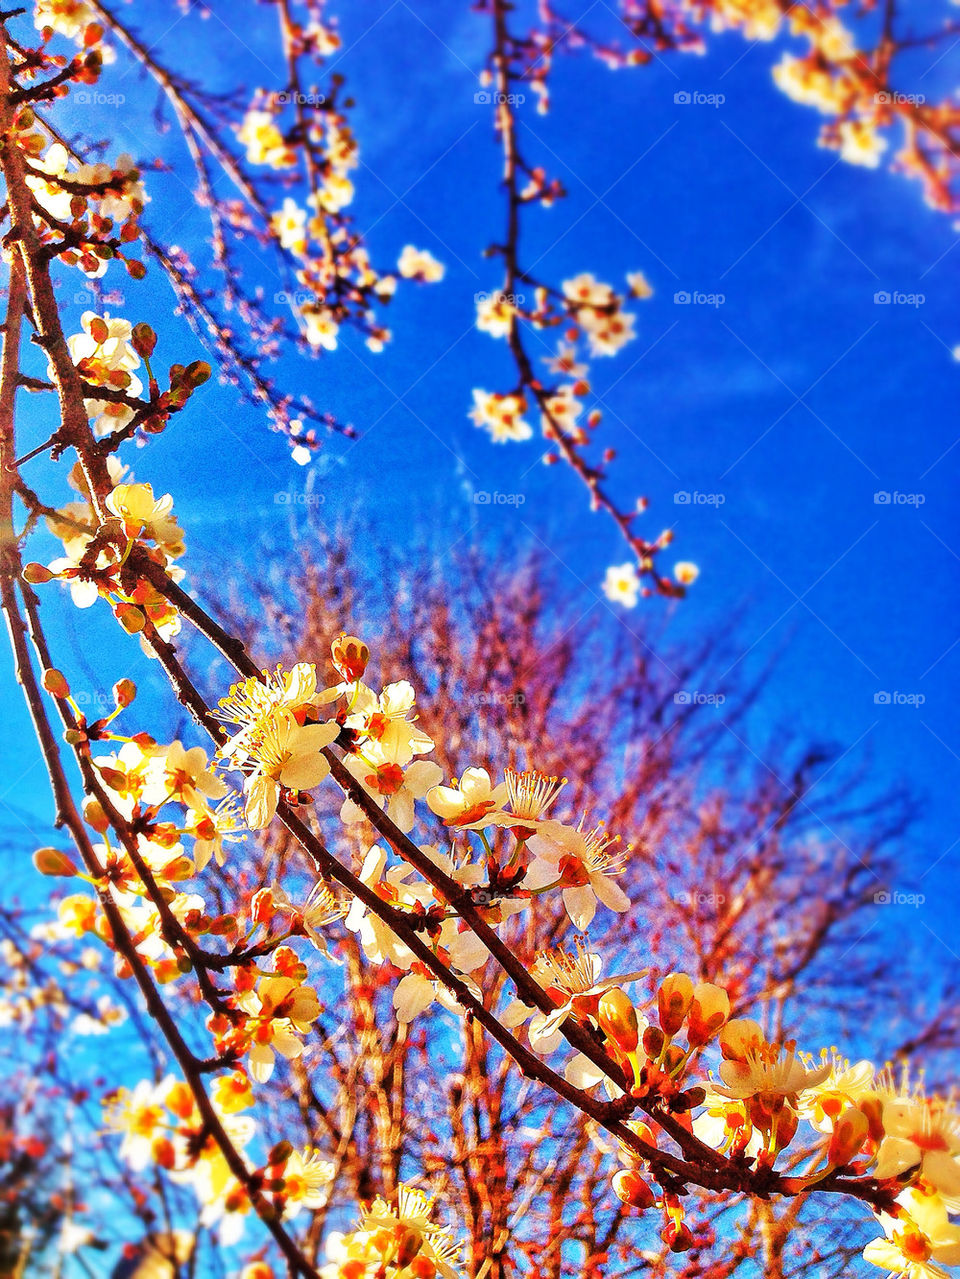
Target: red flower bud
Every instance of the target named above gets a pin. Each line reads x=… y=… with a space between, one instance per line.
x=618 y=1019
x=631 y=1189
x=124 y=691
x=673 y=1001
x=143 y=340
x=350 y=656
x=677 y=1236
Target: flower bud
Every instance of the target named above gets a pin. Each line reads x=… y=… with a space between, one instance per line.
x=618 y=1019
x=163 y=1152
x=94 y=815
x=677 y=1236
x=350 y=656
x=180 y=1100
x=55 y=682
x=130 y=618
x=36 y=574
x=631 y=1189
x=849 y=1133
x=653 y=1042
x=642 y=1130
x=197 y=373
x=673 y=1001
x=51 y=861
x=115 y=778
x=280 y=1153
x=223 y=925
x=709 y=1010
x=262 y=906
x=673 y=1058
x=143 y=340
x=688 y=1100
x=179 y=869
x=124 y=691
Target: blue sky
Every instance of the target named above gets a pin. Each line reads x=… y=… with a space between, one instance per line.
x=795 y=401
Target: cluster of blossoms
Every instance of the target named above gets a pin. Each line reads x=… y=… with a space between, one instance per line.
x=94 y=207
x=263 y=141
x=88 y=213
x=592 y=311
x=419 y=264
x=831 y=78
x=70 y=18
x=335 y=280
x=161 y=1126
x=394 y=1239
x=845 y=83
x=84 y=214
x=274 y=1010
x=165 y=793
x=752 y=1110
x=97 y=555
x=594 y=314
x=858 y=1121
x=106 y=356
x=27 y=989
x=145 y=777
x=104 y=555
x=622 y=583
x=281 y=750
